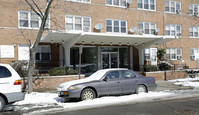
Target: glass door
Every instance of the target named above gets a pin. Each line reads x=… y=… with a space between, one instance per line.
x=110 y=60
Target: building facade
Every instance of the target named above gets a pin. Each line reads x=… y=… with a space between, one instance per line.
x=102 y=33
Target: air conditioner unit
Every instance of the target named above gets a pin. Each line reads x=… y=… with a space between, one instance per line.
x=192 y=57
x=156 y=31
x=141 y=32
x=195 y=13
x=178 y=11
x=179 y=34
x=179 y=57
x=86 y=29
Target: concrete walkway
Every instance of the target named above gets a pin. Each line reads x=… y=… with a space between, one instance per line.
x=166 y=85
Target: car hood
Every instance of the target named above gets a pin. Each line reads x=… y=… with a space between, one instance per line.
x=66 y=85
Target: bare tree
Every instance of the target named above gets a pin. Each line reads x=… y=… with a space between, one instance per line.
x=34 y=6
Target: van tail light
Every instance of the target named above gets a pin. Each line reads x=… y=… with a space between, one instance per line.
x=18 y=82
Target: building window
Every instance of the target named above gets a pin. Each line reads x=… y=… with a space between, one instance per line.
x=116 y=26
x=146 y=27
x=194 y=53
x=173 y=30
x=147 y=4
x=193 y=31
x=173 y=7
x=30 y=20
x=78 y=23
x=43 y=53
x=174 y=53
x=150 y=54
x=193 y=9
x=147 y=54
x=121 y=3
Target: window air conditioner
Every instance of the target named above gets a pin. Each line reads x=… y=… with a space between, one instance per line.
x=86 y=29
x=195 y=13
x=178 y=11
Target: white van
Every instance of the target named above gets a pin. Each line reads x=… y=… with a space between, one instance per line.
x=10 y=86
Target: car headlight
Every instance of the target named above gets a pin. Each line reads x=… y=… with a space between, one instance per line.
x=72 y=88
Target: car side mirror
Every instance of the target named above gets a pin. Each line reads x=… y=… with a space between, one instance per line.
x=105 y=79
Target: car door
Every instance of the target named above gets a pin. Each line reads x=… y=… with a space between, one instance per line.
x=128 y=81
x=5 y=79
x=111 y=84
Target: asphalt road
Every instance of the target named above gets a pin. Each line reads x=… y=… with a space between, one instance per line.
x=172 y=107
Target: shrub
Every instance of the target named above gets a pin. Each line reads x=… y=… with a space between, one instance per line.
x=149 y=68
x=57 y=71
x=71 y=72
x=164 y=66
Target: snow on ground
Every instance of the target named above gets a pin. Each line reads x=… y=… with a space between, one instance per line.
x=191 y=82
x=39 y=100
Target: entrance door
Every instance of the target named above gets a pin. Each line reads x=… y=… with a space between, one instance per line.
x=110 y=60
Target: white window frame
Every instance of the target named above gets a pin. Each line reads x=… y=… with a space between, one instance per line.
x=81 y=1
x=39 y=50
x=195 y=55
x=175 y=29
x=119 y=5
x=29 y=20
x=150 y=27
x=170 y=52
x=120 y=27
x=82 y=22
x=192 y=10
x=147 y=54
x=194 y=30
x=175 y=7
x=149 y=5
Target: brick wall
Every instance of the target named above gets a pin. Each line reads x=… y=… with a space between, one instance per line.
x=99 y=12
x=51 y=82
x=167 y=75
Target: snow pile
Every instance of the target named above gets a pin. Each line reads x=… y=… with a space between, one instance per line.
x=39 y=100
x=190 y=82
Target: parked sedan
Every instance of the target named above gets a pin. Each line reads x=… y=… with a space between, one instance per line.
x=107 y=82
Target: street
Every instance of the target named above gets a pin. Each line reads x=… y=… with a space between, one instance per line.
x=189 y=106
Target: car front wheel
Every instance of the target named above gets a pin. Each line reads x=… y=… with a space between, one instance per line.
x=88 y=94
x=141 y=89
x=2 y=103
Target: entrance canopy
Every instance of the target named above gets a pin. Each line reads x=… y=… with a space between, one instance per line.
x=80 y=37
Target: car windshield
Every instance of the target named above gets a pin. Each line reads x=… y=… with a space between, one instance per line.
x=97 y=75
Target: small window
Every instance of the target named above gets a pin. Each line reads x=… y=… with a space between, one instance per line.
x=116 y=26
x=78 y=23
x=172 y=7
x=146 y=4
x=147 y=27
x=4 y=72
x=112 y=75
x=173 y=29
x=126 y=74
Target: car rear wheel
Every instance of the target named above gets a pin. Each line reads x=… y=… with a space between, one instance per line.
x=88 y=94
x=141 y=89
x=2 y=103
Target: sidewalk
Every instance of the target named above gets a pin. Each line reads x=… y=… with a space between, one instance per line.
x=166 y=85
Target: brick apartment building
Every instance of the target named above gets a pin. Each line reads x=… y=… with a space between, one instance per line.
x=107 y=33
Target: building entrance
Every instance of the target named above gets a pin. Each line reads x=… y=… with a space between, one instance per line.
x=110 y=60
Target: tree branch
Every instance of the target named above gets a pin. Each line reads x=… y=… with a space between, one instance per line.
x=37 y=8
x=29 y=4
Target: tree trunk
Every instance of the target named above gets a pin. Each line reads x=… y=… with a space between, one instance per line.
x=30 y=71
x=33 y=49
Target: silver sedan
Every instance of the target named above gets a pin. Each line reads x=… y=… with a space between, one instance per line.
x=107 y=82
